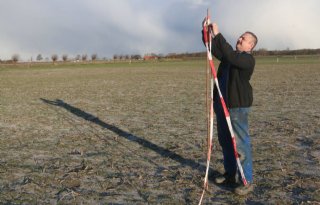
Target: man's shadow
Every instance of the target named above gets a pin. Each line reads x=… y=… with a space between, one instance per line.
x=166 y=153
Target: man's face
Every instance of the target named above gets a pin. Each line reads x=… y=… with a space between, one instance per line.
x=245 y=43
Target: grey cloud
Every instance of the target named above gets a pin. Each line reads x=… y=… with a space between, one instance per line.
x=139 y=26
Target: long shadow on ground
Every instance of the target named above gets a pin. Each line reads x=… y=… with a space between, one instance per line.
x=156 y=148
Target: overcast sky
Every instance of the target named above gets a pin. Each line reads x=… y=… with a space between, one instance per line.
x=108 y=27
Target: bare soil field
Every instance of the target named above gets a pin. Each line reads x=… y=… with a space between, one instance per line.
x=136 y=134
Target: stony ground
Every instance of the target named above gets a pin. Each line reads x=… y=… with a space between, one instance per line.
x=136 y=134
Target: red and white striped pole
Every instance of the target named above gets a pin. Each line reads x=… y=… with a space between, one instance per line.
x=207 y=33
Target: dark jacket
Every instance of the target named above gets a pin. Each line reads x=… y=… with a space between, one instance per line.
x=241 y=66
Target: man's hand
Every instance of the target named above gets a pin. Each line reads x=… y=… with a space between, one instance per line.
x=213 y=26
x=215 y=29
x=206 y=22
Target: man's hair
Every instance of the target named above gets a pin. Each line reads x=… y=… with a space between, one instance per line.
x=255 y=38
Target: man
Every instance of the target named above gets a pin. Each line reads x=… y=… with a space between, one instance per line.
x=234 y=73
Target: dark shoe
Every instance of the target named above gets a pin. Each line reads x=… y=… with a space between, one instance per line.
x=225 y=179
x=244 y=190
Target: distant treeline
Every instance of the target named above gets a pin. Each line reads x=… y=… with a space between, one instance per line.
x=153 y=56
x=259 y=52
x=265 y=52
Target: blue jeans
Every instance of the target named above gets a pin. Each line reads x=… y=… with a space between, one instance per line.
x=239 y=121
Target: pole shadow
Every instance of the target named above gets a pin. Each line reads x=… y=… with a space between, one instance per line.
x=166 y=153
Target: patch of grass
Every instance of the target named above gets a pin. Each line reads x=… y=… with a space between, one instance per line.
x=136 y=133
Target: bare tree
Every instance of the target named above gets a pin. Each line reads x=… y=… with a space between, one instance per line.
x=15 y=58
x=54 y=58
x=84 y=57
x=94 y=57
x=39 y=57
x=262 y=51
x=136 y=57
x=64 y=57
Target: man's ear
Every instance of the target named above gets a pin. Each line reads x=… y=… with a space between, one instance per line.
x=252 y=46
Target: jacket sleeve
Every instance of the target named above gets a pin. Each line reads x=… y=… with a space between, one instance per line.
x=215 y=49
x=221 y=49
